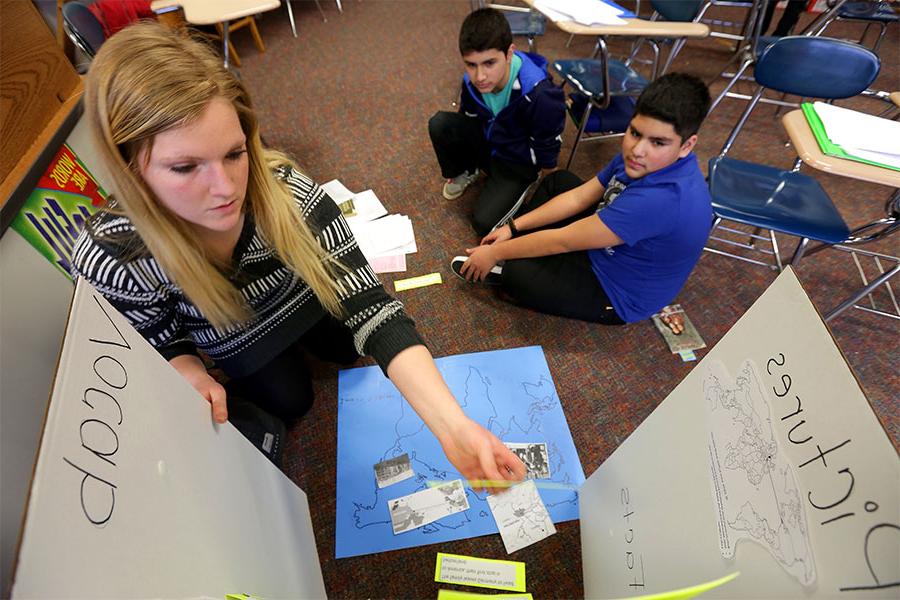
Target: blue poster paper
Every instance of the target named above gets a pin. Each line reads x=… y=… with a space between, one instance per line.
x=510 y=392
x=625 y=14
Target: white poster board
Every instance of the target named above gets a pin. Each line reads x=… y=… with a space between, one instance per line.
x=138 y=494
x=769 y=438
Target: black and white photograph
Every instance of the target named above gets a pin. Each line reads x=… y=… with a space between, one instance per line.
x=393 y=470
x=534 y=455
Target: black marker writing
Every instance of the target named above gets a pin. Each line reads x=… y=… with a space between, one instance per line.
x=844 y=482
x=97 y=492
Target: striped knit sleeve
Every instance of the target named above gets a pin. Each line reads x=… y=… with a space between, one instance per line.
x=135 y=287
x=380 y=326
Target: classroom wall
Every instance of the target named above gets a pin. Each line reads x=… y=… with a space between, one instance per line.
x=34 y=298
x=34 y=302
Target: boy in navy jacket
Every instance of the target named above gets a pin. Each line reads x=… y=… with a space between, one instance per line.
x=509 y=122
x=619 y=247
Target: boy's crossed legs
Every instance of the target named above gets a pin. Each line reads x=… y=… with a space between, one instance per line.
x=559 y=284
x=461 y=148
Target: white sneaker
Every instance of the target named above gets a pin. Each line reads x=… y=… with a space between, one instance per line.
x=454 y=188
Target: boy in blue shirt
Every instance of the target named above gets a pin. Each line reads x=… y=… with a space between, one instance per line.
x=509 y=123
x=619 y=247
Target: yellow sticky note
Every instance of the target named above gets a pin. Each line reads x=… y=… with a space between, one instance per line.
x=417 y=282
x=457 y=595
x=688 y=592
x=480 y=572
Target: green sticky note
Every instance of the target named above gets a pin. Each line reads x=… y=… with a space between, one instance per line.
x=688 y=592
x=480 y=572
x=401 y=285
x=457 y=595
x=687 y=355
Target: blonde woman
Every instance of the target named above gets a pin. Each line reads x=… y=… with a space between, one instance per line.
x=217 y=244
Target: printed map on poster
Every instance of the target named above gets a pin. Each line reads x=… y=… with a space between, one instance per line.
x=757 y=496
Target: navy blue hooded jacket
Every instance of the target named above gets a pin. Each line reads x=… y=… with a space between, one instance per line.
x=528 y=130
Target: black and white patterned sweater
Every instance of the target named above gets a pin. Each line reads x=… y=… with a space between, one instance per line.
x=284 y=306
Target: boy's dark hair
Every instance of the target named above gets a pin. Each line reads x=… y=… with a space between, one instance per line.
x=679 y=99
x=484 y=29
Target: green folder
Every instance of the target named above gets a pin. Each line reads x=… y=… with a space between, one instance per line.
x=828 y=147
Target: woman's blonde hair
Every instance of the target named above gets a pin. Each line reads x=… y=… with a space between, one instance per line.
x=147 y=79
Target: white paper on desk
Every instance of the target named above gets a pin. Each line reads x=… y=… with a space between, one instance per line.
x=390 y=235
x=851 y=130
x=551 y=13
x=367 y=206
x=585 y=12
x=336 y=191
x=892 y=160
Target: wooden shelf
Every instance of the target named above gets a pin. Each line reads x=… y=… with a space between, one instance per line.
x=40 y=94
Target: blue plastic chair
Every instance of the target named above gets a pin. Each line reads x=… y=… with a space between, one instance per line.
x=522 y=21
x=529 y=24
x=770 y=198
x=868 y=12
x=748 y=52
x=83 y=28
x=678 y=11
x=600 y=82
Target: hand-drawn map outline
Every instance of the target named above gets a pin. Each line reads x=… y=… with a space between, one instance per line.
x=510 y=392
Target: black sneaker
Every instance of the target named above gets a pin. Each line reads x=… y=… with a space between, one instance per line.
x=493 y=278
x=263 y=430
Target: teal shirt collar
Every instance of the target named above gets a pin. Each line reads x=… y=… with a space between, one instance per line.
x=500 y=100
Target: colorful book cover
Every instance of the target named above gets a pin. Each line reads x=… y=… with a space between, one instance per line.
x=55 y=212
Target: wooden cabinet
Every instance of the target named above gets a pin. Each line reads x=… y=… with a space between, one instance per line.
x=40 y=94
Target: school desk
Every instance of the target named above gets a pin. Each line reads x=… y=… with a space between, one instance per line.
x=204 y=12
x=807 y=148
x=633 y=28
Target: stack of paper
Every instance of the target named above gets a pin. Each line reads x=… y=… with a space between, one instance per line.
x=384 y=240
x=854 y=135
x=363 y=206
x=586 y=12
x=388 y=236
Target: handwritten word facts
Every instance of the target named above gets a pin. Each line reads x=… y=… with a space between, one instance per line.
x=634 y=560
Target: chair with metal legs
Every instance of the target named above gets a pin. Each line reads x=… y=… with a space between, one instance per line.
x=680 y=11
x=523 y=21
x=747 y=53
x=773 y=199
x=868 y=12
x=83 y=28
x=599 y=80
x=878 y=229
x=290 y=13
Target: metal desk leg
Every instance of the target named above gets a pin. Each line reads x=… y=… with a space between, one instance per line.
x=818 y=24
x=225 y=42
x=291 y=17
x=859 y=295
